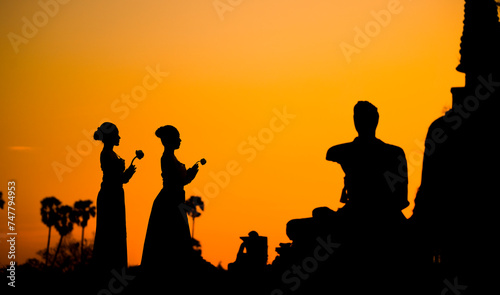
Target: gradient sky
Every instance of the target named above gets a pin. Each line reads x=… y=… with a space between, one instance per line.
x=225 y=78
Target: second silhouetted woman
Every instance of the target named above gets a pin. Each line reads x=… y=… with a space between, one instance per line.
x=168 y=242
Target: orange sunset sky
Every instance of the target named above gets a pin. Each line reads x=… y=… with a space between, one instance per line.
x=261 y=89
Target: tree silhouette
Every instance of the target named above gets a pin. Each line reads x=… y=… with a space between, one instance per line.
x=68 y=258
x=1 y=201
x=83 y=210
x=192 y=203
x=63 y=225
x=49 y=217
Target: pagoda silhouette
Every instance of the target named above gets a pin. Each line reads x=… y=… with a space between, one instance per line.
x=457 y=205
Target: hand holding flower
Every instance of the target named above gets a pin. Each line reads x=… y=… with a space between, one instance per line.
x=191 y=172
x=138 y=154
x=131 y=169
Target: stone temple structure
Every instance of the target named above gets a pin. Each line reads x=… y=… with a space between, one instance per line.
x=457 y=208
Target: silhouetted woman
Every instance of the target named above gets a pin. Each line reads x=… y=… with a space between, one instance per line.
x=168 y=242
x=110 y=245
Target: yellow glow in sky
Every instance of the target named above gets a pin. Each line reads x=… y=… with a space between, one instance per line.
x=261 y=89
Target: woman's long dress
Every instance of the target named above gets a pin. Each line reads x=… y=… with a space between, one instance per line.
x=110 y=244
x=168 y=242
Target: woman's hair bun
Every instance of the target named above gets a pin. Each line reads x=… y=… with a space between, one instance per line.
x=98 y=134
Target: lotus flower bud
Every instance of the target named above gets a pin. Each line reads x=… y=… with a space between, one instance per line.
x=139 y=154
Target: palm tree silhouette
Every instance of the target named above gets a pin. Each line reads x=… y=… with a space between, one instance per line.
x=192 y=203
x=49 y=217
x=83 y=210
x=64 y=225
